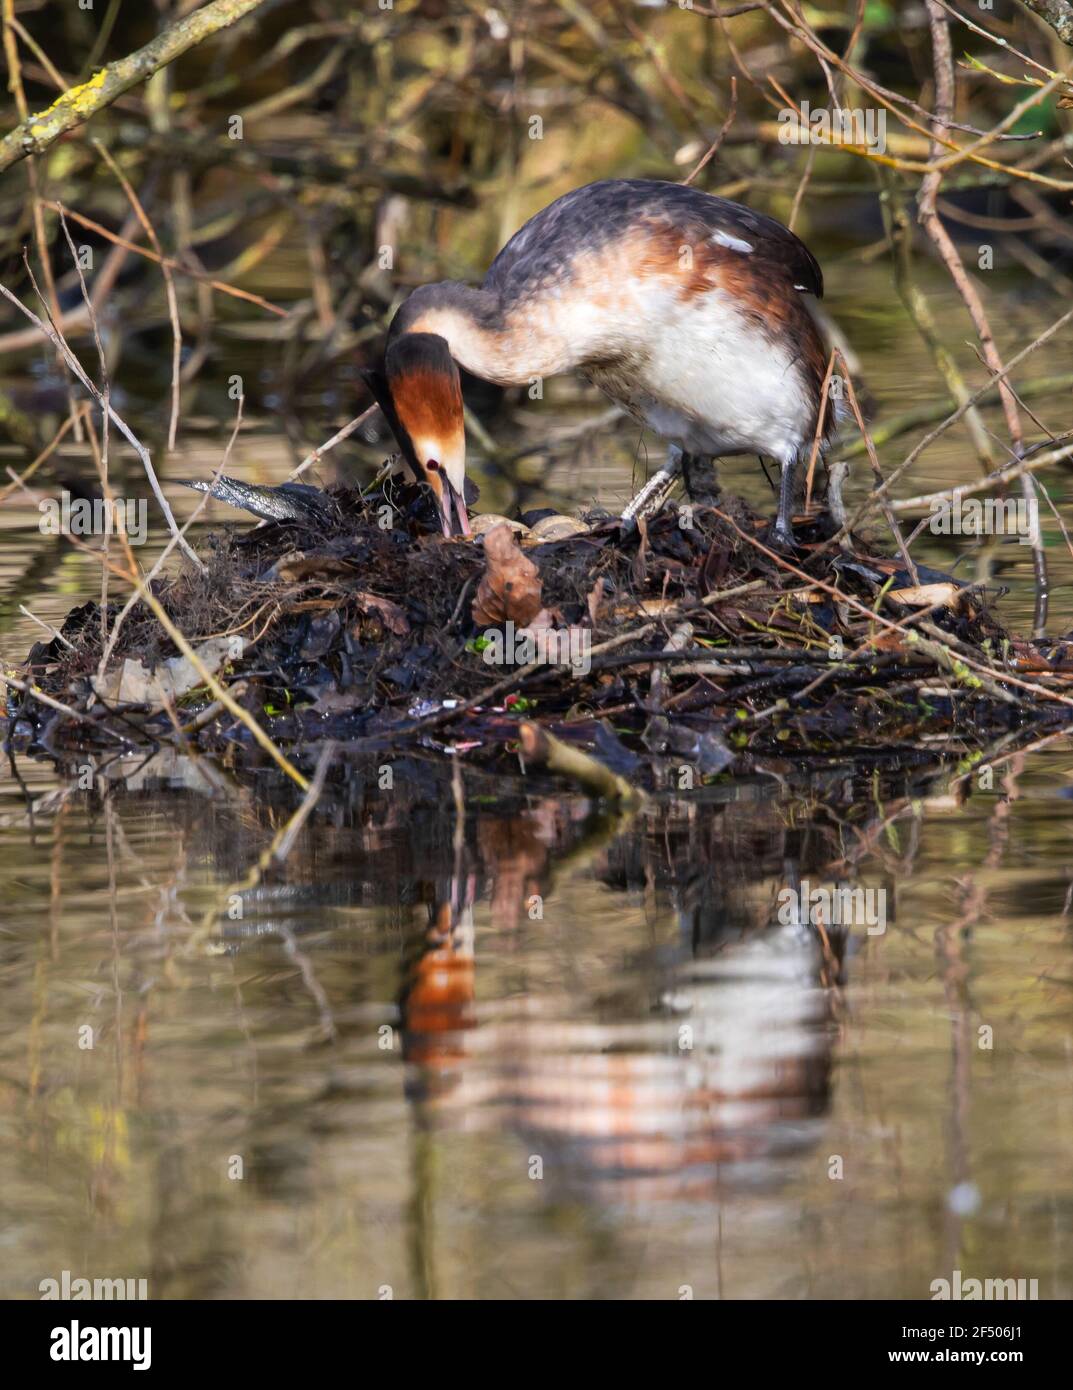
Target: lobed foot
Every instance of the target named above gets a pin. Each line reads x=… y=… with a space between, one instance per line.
x=700 y=477
x=653 y=495
x=781 y=537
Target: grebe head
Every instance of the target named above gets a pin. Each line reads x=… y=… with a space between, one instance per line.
x=426 y=397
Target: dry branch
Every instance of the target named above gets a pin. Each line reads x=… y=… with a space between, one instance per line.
x=544 y=749
x=75 y=107
x=1057 y=13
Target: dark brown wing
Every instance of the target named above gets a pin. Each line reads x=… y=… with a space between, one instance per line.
x=541 y=253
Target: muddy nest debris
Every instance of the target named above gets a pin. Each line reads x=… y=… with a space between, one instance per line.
x=683 y=642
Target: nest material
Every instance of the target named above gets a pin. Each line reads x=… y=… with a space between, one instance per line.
x=353 y=629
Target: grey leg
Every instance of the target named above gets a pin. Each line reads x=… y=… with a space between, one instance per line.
x=658 y=488
x=784 y=530
x=699 y=476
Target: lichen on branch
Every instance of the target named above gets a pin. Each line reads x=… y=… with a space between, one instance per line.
x=76 y=106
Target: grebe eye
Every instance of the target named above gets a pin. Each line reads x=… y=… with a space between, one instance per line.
x=433 y=465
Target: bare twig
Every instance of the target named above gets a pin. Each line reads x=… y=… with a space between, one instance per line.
x=128 y=434
x=337 y=438
x=169 y=286
x=35 y=134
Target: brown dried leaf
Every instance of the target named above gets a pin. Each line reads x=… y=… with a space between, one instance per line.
x=926 y=595
x=889 y=641
x=390 y=614
x=595 y=602
x=510 y=586
x=133 y=684
x=296 y=564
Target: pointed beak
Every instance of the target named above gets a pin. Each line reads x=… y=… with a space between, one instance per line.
x=460 y=509
x=444 y=500
x=451 y=503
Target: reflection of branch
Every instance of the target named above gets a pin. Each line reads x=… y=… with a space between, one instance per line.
x=73 y=108
x=538 y=746
x=273 y=854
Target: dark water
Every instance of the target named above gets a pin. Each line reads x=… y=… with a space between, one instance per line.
x=474 y=1039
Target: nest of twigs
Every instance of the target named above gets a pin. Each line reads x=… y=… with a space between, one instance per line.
x=686 y=640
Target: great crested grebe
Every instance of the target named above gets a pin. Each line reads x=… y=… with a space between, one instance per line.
x=686 y=309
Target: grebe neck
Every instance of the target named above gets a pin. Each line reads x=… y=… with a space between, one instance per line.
x=474 y=325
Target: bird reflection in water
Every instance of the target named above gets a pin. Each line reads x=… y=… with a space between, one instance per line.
x=723 y=1070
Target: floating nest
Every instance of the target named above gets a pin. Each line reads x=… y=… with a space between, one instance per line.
x=683 y=648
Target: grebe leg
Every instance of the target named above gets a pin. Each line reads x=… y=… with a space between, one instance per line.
x=784 y=530
x=699 y=476
x=658 y=488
